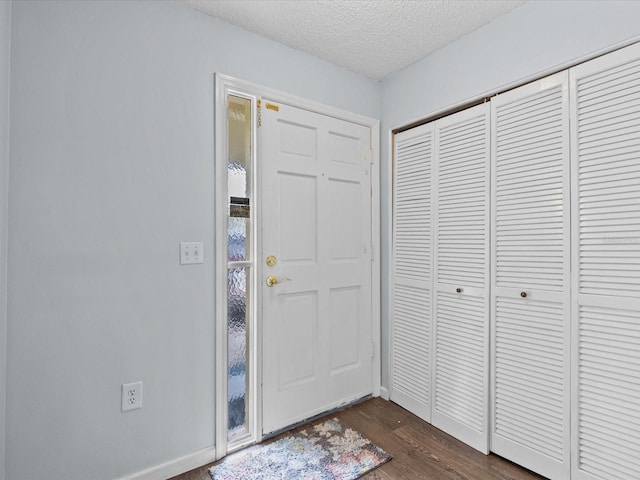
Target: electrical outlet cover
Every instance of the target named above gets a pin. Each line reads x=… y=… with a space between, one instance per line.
x=131 y=396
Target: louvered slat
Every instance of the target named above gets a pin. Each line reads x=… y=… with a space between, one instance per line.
x=608 y=144
x=411 y=343
x=411 y=322
x=530 y=160
x=462 y=191
x=609 y=392
x=460 y=391
x=412 y=207
x=606 y=164
x=529 y=192
x=529 y=375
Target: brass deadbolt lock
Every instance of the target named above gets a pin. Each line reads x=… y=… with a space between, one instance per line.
x=271 y=260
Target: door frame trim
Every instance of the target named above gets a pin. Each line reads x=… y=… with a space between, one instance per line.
x=223 y=85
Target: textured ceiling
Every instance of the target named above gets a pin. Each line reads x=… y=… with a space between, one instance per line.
x=372 y=37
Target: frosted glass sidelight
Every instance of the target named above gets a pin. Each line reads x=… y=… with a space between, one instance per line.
x=239 y=224
x=237 y=346
x=237 y=245
x=237 y=178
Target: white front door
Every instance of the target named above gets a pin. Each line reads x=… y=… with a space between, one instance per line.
x=315 y=200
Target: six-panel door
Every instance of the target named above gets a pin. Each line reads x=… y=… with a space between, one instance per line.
x=316 y=223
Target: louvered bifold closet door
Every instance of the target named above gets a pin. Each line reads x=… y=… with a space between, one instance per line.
x=412 y=270
x=460 y=387
x=530 y=260
x=605 y=101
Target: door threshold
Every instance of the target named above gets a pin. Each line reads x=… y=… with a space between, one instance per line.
x=326 y=413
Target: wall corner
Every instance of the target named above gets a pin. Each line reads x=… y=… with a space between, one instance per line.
x=5 y=55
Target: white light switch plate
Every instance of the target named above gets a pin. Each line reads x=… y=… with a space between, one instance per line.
x=190 y=253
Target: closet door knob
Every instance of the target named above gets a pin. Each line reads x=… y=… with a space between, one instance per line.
x=458 y=290
x=523 y=294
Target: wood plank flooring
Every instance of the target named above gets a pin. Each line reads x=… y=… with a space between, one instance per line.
x=420 y=451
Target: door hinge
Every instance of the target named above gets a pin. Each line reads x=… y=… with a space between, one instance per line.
x=371 y=179
x=369 y=155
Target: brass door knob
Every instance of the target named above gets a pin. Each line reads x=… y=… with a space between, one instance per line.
x=273 y=280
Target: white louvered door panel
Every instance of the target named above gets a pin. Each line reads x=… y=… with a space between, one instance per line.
x=460 y=388
x=412 y=272
x=605 y=102
x=530 y=261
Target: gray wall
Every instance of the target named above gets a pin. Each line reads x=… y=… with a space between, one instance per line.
x=5 y=42
x=111 y=167
x=529 y=41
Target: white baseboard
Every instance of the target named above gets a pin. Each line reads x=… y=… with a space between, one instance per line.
x=384 y=393
x=175 y=467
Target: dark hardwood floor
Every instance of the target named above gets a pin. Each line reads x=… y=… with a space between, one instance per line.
x=419 y=450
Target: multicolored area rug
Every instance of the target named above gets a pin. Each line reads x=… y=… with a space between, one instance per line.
x=328 y=451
